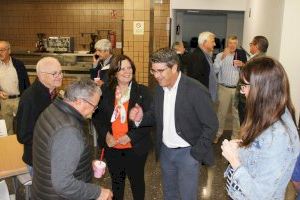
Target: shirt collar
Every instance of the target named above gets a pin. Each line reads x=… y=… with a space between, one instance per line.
x=9 y=62
x=175 y=86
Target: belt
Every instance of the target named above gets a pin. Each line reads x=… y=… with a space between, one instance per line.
x=13 y=96
x=228 y=86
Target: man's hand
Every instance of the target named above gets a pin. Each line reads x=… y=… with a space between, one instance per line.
x=105 y=194
x=238 y=63
x=110 y=140
x=95 y=59
x=136 y=113
x=3 y=95
x=124 y=139
x=98 y=81
x=226 y=52
x=230 y=152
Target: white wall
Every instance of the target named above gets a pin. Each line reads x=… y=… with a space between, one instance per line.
x=235 y=24
x=194 y=24
x=289 y=48
x=279 y=24
x=228 y=5
x=264 y=20
x=234 y=5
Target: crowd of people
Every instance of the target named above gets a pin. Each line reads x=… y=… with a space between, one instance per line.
x=188 y=109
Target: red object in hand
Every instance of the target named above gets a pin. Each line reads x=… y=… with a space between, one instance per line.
x=102 y=154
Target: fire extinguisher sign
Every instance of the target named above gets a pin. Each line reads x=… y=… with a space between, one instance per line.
x=138 y=27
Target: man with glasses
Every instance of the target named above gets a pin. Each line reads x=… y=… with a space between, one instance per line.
x=258 y=47
x=13 y=81
x=34 y=100
x=62 y=160
x=185 y=126
x=101 y=64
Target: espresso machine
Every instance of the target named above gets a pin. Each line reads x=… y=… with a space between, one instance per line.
x=41 y=44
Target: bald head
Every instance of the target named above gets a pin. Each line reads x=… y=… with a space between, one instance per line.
x=49 y=72
x=4 y=51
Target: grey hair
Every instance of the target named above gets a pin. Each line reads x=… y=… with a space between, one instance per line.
x=82 y=89
x=203 y=37
x=165 y=55
x=45 y=63
x=104 y=45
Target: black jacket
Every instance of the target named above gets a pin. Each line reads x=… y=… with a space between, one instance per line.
x=195 y=119
x=33 y=101
x=22 y=74
x=140 y=137
x=103 y=73
x=199 y=68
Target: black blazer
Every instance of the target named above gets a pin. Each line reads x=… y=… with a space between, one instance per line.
x=140 y=137
x=199 y=68
x=195 y=119
x=103 y=73
x=22 y=74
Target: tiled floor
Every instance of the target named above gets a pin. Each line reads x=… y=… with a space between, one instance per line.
x=211 y=186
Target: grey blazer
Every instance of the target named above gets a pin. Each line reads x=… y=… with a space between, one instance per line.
x=195 y=119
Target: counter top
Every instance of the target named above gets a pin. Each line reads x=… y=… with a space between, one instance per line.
x=76 y=53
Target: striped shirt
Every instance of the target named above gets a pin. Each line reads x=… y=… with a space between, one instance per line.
x=228 y=74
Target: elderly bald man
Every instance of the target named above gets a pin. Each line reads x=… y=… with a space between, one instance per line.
x=36 y=99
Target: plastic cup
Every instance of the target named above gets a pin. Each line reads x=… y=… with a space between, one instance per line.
x=99 y=168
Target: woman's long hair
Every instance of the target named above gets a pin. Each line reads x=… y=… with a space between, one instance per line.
x=115 y=66
x=268 y=97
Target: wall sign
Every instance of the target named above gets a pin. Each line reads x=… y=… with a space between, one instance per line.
x=138 y=28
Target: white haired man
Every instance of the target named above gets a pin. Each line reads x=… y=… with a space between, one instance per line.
x=201 y=67
x=34 y=100
x=101 y=64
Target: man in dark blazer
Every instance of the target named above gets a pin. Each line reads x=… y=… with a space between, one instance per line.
x=185 y=126
x=201 y=67
x=13 y=81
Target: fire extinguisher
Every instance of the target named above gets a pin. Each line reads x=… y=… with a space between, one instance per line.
x=113 y=38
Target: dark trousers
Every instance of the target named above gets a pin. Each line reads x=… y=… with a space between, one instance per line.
x=122 y=163
x=180 y=173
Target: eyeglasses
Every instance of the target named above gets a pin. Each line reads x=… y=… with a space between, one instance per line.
x=54 y=74
x=94 y=106
x=2 y=50
x=243 y=85
x=158 y=71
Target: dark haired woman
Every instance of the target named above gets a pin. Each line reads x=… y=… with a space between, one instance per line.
x=262 y=162
x=126 y=147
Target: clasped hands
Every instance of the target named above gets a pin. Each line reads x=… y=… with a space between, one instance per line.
x=230 y=150
x=111 y=141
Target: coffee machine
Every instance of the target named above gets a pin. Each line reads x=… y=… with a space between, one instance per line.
x=41 y=44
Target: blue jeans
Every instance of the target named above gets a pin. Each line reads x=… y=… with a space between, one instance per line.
x=180 y=173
